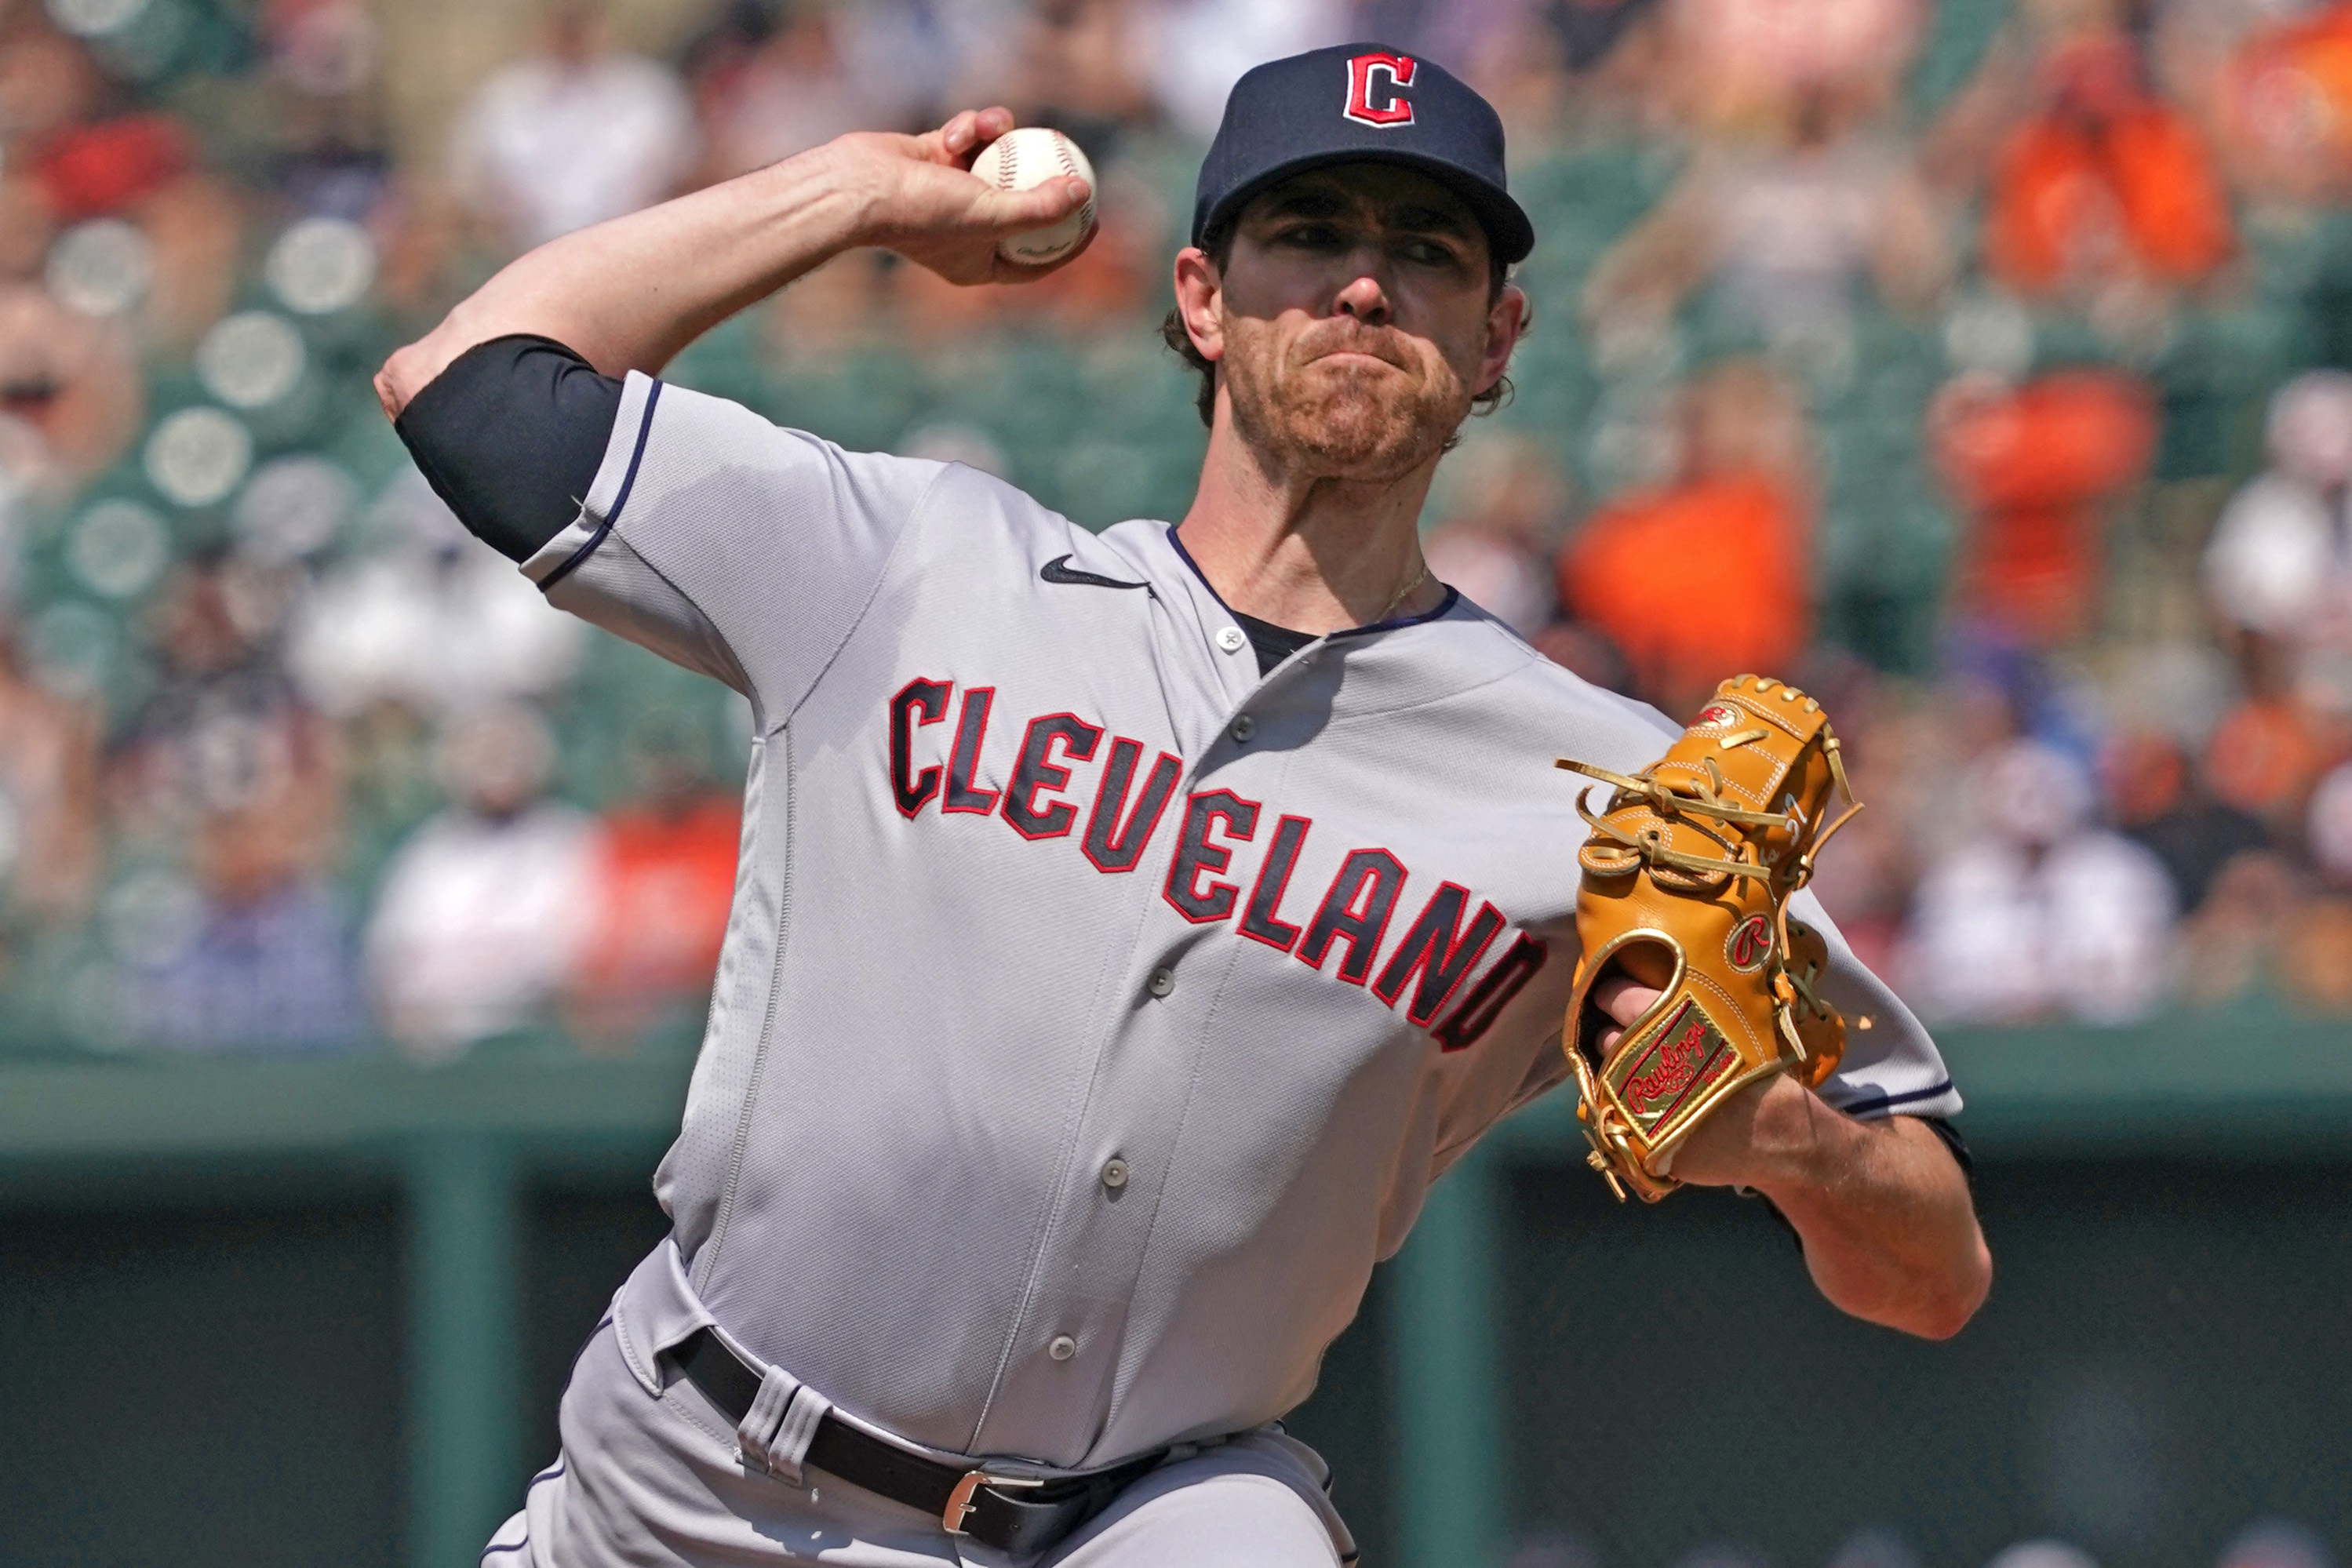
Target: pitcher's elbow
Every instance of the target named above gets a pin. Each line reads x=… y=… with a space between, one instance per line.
x=400 y=379
x=1957 y=1301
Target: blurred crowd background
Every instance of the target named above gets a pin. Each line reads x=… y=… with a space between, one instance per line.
x=1983 y=366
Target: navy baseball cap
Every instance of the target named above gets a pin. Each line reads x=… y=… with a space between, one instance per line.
x=1355 y=103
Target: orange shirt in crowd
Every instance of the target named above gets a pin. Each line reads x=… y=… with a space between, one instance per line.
x=665 y=882
x=2036 y=465
x=2289 y=96
x=1695 y=581
x=2109 y=179
x=2267 y=754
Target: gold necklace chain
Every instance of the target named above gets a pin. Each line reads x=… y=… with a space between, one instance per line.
x=1402 y=594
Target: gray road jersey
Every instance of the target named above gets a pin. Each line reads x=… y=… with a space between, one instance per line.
x=1094 y=1012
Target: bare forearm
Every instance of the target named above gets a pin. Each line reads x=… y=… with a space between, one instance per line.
x=630 y=293
x=1882 y=1207
x=1889 y=1230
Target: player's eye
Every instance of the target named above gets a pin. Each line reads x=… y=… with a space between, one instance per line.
x=1313 y=236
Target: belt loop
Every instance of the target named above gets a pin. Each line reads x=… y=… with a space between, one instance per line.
x=791 y=1443
x=775 y=1432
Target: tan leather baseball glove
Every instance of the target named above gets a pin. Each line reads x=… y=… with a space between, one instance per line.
x=1687 y=882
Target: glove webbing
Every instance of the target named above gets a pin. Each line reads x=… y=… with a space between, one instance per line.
x=1702 y=801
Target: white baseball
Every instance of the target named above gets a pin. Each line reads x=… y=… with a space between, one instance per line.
x=1030 y=156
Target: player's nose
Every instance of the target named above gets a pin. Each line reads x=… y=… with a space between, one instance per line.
x=1365 y=296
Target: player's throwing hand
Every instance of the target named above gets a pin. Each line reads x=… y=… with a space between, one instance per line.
x=924 y=202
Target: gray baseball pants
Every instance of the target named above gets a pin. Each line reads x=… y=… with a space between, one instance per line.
x=645 y=1479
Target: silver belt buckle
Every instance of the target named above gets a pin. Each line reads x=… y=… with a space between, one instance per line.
x=960 y=1504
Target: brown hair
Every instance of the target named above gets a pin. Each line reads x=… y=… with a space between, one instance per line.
x=1218 y=243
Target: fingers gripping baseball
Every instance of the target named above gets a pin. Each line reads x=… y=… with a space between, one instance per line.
x=937 y=213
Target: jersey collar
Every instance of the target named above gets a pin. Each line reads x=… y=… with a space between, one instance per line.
x=1444 y=605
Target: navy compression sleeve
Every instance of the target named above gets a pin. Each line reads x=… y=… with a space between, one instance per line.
x=511 y=436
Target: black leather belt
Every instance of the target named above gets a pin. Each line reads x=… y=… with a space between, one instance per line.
x=1011 y=1513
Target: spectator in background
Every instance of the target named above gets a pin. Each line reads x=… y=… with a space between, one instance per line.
x=421 y=622
x=1550 y=67
x=432 y=619
x=1892 y=755
x=71 y=397
x=2245 y=935
x=2285 y=105
x=478 y=922
x=1740 y=63
x=228 y=769
x=1199 y=49
x=1505 y=506
x=1493 y=571
x=1085 y=66
x=2158 y=798
x=2038 y=912
x=2318 y=958
x=573 y=134
x=772 y=78
x=2278 y=577
x=2092 y=181
x=2037 y=467
x=226 y=753
x=1865 y=881
x=26 y=224
x=263 y=965
x=1806 y=213
x=2279 y=567
x=1707 y=574
x=662 y=882
x=177 y=230
x=2282 y=593
x=324 y=59
x=2272 y=748
x=50 y=849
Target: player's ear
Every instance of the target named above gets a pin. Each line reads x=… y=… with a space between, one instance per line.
x=1506 y=322
x=1198 y=288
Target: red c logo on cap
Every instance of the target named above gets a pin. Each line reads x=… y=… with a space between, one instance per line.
x=1389 y=75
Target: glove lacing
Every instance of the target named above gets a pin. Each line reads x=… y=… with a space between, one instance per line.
x=1699 y=800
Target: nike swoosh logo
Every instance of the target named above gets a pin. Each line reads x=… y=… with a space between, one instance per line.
x=1059 y=571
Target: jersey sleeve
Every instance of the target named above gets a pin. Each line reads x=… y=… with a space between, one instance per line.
x=727 y=544
x=1891 y=1065
x=511 y=436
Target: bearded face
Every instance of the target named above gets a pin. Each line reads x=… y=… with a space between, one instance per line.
x=1340 y=398
x=1354 y=314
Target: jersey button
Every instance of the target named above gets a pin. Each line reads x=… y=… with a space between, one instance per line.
x=1114 y=1173
x=1062 y=1347
x=1231 y=639
x=1162 y=981
x=1243 y=728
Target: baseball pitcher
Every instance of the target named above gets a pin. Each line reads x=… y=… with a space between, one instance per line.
x=1131 y=926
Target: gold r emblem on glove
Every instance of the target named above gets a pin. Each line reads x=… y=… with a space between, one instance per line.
x=1697 y=855
x=1749 y=944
